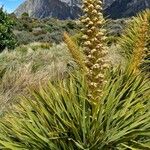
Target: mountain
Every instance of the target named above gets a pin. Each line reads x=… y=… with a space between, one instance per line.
x=61 y=9
x=126 y=8
x=71 y=9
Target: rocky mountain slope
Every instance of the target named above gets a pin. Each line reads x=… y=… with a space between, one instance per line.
x=71 y=9
x=126 y=8
x=61 y=9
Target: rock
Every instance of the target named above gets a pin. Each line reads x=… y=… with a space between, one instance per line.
x=126 y=8
x=60 y=9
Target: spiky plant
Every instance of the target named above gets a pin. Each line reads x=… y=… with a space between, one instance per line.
x=94 y=46
x=60 y=117
x=135 y=42
x=7 y=37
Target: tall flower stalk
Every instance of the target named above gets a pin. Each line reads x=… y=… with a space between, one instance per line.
x=134 y=43
x=95 y=46
x=139 y=48
x=75 y=51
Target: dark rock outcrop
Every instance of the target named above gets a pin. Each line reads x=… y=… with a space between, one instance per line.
x=61 y=9
x=126 y=8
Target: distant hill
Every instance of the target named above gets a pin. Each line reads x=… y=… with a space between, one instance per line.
x=71 y=9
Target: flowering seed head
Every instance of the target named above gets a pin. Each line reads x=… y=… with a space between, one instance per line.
x=93 y=51
x=87 y=43
x=85 y=37
x=94 y=45
x=94 y=11
x=91 y=6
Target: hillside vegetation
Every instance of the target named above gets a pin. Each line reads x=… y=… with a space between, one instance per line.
x=51 y=30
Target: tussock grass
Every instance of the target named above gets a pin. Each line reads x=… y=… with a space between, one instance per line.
x=29 y=66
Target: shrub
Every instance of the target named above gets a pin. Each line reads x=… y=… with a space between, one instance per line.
x=7 y=39
x=24 y=15
x=44 y=30
x=24 y=37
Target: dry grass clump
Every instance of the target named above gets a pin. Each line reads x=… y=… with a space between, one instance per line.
x=26 y=67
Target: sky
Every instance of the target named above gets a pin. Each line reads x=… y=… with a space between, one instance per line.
x=10 y=5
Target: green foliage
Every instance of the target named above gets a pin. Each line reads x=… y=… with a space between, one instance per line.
x=60 y=116
x=25 y=14
x=77 y=38
x=7 y=39
x=46 y=30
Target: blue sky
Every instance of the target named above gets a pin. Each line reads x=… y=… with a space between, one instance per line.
x=10 y=5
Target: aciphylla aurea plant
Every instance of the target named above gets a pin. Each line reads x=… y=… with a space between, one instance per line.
x=61 y=116
x=94 y=46
x=140 y=46
x=134 y=43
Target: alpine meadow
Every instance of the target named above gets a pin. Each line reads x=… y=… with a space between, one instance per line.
x=75 y=76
